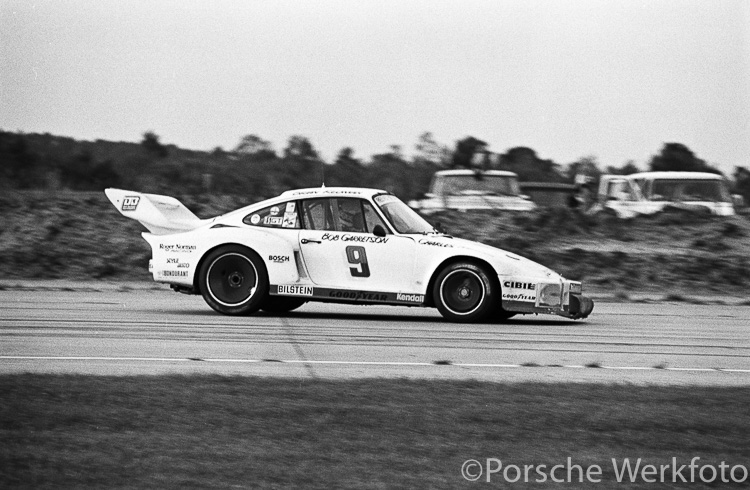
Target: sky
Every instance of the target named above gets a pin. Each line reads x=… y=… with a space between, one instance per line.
x=569 y=78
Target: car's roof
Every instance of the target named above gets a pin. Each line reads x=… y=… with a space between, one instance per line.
x=503 y=173
x=676 y=175
x=332 y=192
x=308 y=193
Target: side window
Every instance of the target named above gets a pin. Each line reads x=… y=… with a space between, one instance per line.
x=349 y=214
x=340 y=214
x=371 y=218
x=282 y=215
x=619 y=190
x=317 y=214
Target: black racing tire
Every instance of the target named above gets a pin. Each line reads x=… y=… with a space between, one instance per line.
x=465 y=292
x=280 y=304
x=233 y=280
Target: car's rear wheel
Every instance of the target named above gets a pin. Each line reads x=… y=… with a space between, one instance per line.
x=233 y=280
x=279 y=304
x=465 y=292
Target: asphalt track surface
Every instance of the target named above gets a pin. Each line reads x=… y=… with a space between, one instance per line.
x=156 y=331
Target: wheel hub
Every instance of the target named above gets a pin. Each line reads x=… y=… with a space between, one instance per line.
x=464 y=293
x=236 y=279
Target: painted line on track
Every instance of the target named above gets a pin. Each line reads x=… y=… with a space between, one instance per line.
x=368 y=363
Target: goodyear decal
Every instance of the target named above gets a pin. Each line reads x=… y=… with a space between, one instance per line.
x=348 y=295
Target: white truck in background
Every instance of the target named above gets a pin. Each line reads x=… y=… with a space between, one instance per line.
x=651 y=192
x=468 y=190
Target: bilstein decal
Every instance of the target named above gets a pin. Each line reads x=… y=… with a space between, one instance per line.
x=294 y=289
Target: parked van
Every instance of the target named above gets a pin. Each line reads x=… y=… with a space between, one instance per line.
x=651 y=192
x=473 y=189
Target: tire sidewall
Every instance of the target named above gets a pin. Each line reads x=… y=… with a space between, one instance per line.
x=261 y=290
x=488 y=303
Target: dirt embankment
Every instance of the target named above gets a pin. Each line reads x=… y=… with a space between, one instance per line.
x=82 y=236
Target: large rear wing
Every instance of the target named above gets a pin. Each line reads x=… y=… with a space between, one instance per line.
x=162 y=215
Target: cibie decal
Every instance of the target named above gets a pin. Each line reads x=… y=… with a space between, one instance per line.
x=130 y=203
x=293 y=289
x=519 y=285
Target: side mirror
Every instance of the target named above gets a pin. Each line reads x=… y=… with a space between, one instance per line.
x=440 y=229
x=379 y=231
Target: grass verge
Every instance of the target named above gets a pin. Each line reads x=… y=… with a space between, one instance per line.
x=214 y=431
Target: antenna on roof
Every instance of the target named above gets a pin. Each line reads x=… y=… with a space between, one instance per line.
x=322 y=174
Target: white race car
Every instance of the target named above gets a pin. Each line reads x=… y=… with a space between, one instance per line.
x=345 y=245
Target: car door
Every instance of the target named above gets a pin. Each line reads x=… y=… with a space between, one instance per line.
x=341 y=251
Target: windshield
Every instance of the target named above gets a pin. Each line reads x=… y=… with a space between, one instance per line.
x=482 y=184
x=689 y=190
x=401 y=216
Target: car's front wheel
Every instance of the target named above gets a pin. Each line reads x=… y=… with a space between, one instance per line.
x=233 y=280
x=465 y=292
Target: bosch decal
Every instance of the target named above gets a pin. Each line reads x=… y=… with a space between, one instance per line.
x=279 y=259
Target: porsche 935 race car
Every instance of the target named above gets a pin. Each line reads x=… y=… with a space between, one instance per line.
x=346 y=245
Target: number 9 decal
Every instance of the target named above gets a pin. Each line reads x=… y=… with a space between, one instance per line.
x=356 y=255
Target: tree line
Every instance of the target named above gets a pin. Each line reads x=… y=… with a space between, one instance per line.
x=256 y=170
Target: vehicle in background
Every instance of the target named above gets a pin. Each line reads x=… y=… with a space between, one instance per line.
x=550 y=194
x=473 y=189
x=651 y=192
